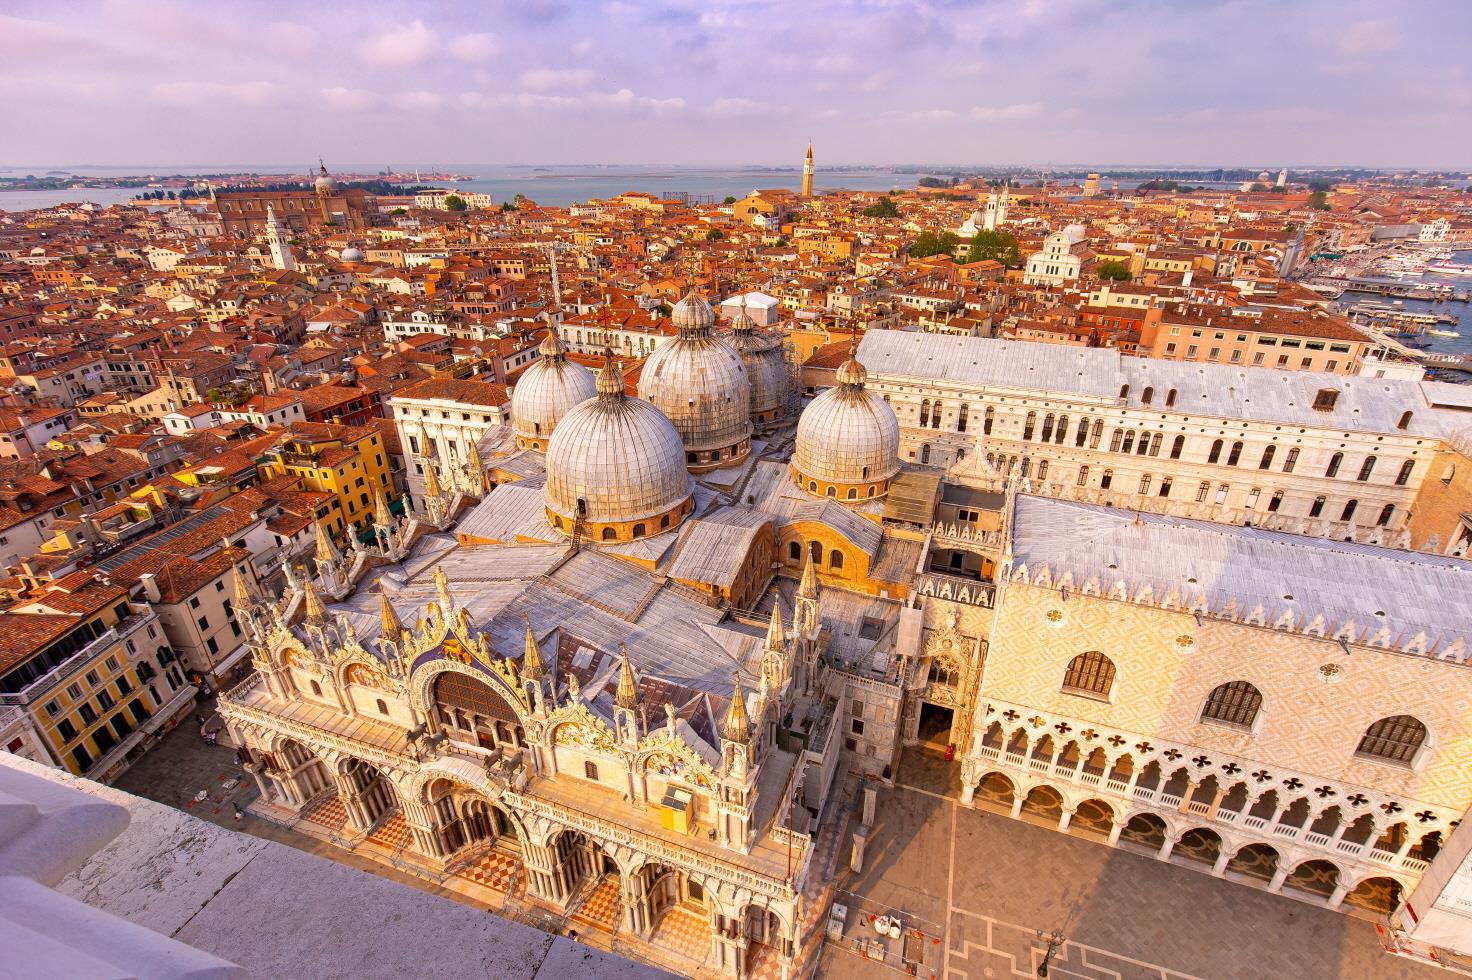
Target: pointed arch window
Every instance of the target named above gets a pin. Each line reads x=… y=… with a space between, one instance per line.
x=1234 y=703
x=1090 y=674
x=1394 y=739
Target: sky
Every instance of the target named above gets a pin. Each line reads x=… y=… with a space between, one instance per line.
x=728 y=82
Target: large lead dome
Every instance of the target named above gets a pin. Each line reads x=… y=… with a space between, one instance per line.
x=765 y=369
x=848 y=440
x=549 y=388
x=699 y=382
x=616 y=465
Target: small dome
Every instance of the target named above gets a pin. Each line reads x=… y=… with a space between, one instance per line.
x=324 y=182
x=351 y=254
x=699 y=382
x=614 y=460
x=765 y=368
x=549 y=388
x=847 y=437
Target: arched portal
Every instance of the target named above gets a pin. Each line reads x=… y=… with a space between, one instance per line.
x=1258 y=861
x=995 y=792
x=465 y=820
x=1145 y=829
x=1316 y=877
x=366 y=793
x=766 y=940
x=1200 y=844
x=1381 y=894
x=1093 y=817
x=1044 y=803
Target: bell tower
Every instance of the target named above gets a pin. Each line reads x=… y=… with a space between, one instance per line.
x=807 y=173
x=278 y=237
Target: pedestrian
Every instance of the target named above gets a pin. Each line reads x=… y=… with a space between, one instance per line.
x=237 y=811
x=200 y=718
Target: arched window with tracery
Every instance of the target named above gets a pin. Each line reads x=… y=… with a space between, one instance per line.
x=961 y=415
x=1029 y=424
x=1404 y=476
x=1089 y=673
x=1177 y=447
x=986 y=421
x=1048 y=420
x=1083 y=432
x=1334 y=463
x=1394 y=739
x=935 y=416
x=1216 y=451
x=1234 y=703
x=925 y=413
x=1062 y=430
x=1366 y=468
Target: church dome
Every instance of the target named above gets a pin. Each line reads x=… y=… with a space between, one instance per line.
x=324 y=184
x=765 y=369
x=848 y=440
x=351 y=254
x=699 y=382
x=549 y=388
x=616 y=464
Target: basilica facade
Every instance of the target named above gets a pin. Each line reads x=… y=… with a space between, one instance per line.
x=613 y=680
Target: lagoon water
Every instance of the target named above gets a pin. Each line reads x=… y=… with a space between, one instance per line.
x=550 y=185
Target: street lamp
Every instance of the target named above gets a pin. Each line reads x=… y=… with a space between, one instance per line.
x=1054 y=940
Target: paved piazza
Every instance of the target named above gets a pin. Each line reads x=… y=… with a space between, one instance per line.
x=993 y=881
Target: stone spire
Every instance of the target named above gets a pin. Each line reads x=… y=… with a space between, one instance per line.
x=628 y=687
x=610 y=378
x=391 y=628
x=531 y=657
x=736 y=728
x=243 y=599
x=382 y=516
x=316 y=612
x=327 y=553
x=431 y=480
x=808 y=587
x=775 y=636
x=477 y=470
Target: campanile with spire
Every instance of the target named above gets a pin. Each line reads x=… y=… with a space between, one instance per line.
x=807 y=173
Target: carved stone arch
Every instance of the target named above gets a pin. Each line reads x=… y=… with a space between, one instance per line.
x=1356 y=880
x=767 y=907
x=421 y=685
x=1172 y=829
x=456 y=770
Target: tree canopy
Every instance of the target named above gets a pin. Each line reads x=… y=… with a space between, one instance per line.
x=999 y=246
x=882 y=208
x=1114 y=271
x=455 y=202
x=929 y=243
x=1318 y=201
x=714 y=235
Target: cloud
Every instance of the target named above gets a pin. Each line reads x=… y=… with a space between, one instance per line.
x=548 y=79
x=254 y=94
x=348 y=99
x=289 y=37
x=1007 y=113
x=474 y=47
x=1369 y=37
x=624 y=101
x=400 y=47
x=971 y=68
x=418 y=101
x=930 y=115
x=728 y=108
